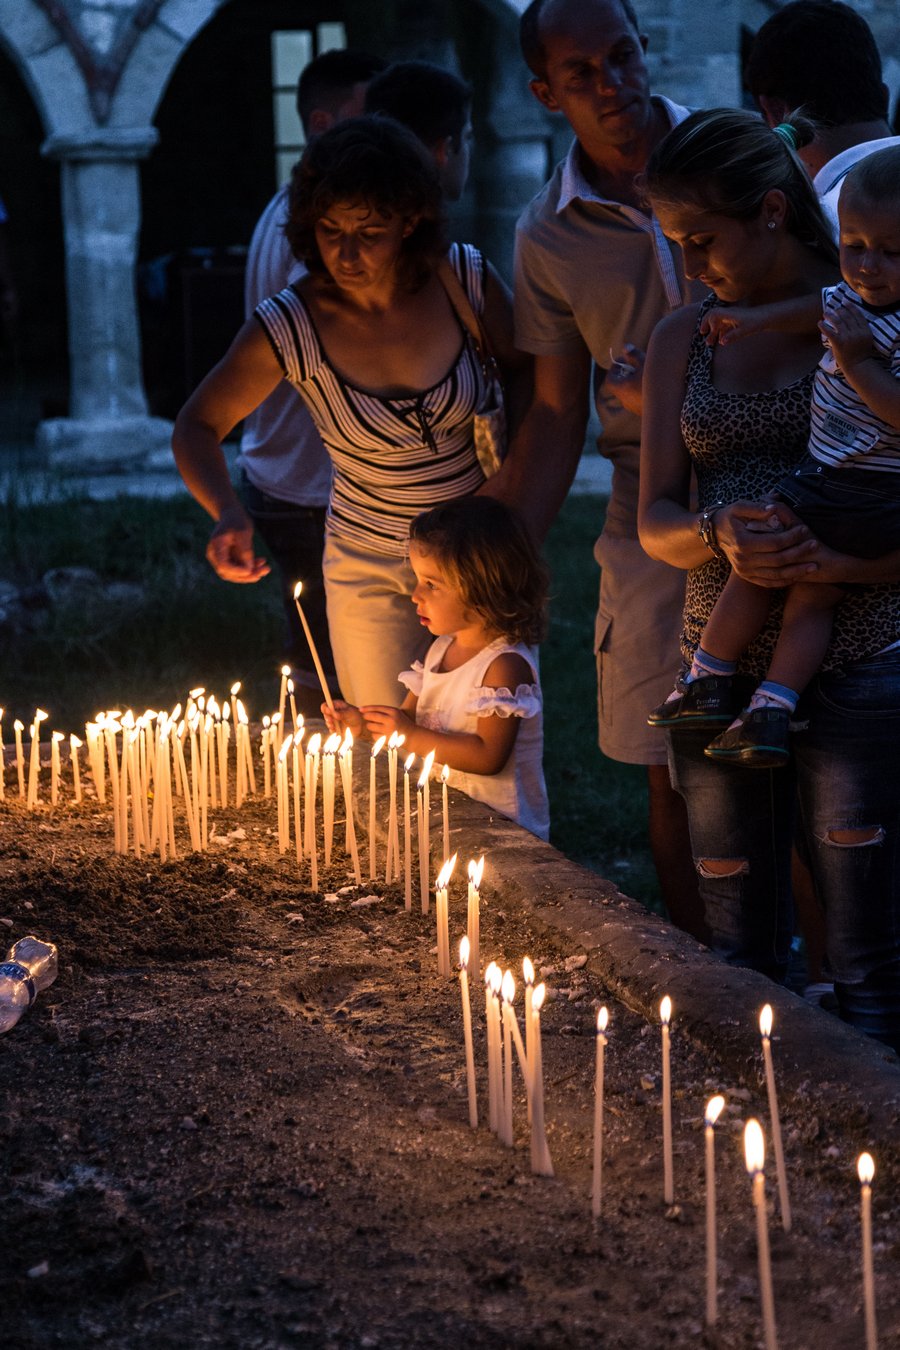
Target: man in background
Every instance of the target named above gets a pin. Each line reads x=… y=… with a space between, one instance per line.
x=436 y=105
x=819 y=57
x=285 y=467
x=593 y=275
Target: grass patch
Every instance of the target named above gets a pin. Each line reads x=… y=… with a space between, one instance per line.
x=186 y=627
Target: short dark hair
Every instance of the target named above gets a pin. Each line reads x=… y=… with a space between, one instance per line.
x=725 y=160
x=876 y=178
x=488 y=556
x=328 y=80
x=433 y=102
x=531 y=39
x=819 y=56
x=378 y=162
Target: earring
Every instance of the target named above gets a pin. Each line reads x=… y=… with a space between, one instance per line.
x=772 y=225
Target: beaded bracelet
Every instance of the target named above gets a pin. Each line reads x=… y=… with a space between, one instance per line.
x=706 y=528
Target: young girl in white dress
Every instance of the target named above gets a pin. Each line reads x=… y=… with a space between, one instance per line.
x=476 y=698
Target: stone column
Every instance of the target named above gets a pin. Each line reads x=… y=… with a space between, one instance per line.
x=109 y=428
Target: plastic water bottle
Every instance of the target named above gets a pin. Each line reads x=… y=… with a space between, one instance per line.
x=30 y=966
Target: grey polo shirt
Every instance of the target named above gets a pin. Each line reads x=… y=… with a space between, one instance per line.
x=595 y=272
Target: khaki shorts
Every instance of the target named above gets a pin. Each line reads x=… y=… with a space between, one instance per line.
x=637 y=646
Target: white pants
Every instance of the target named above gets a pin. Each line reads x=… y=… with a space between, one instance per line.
x=372 y=621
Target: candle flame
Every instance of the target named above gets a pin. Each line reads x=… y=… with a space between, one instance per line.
x=298 y=737
x=236 y=687
x=602 y=1020
x=537 y=998
x=754 y=1147
x=276 y=718
x=428 y=763
x=408 y=763
x=347 y=742
x=312 y=745
x=445 y=773
x=765 y=1021
x=290 y=686
x=445 y=873
x=18 y=725
x=297 y=590
x=489 y=973
x=393 y=740
x=286 y=670
x=496 y=978
x=57 y=736
x=866 y=1168
x=195 y=693
x=267 y=721
x=285 y=747
x=378 y=746
x=75 y=743
x=665 y=1011
x=242 y=714
x=476 y=872
x=527 y=970
x=331 y=745
x=508 y=987
x=714 y=1108
x=464 y=952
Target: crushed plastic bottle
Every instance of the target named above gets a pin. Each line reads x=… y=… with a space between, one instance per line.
x=30 y=967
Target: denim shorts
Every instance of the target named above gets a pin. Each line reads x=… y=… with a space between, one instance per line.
x=856 y=511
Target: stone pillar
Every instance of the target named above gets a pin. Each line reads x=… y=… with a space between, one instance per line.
x=109 y=428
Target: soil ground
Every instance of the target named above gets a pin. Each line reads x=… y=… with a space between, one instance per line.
x=238 y=1119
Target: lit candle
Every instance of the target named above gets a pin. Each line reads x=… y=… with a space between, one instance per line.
x=18 y=728
x=508 y=992
x=55 y=739
x=473 y=918
x=713 y=1111
x=283 y=801
x=74 y=746
x=596 y=1189
x=665 y=1014
x=467 y=1030
x=866 y=1170
x=294 y=722
x=445 y=810
x=528 y=978
x=312 y=789
x=282 y=697
x=245 y=743
x=506 y=1109
x=541 y=1163
x=34 y=763
x=755 y=1154
x=312 y=647
x=441 y=916
x=329 y=750
x=345 y=760
x=424 y=830
x=492 y=981
x=298 y=828
x=376 y=749
x=407 y=839
x=392 y=854
x=264 y=751
x=765 y=1030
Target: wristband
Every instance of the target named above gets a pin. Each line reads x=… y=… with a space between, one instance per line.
x=706 y=528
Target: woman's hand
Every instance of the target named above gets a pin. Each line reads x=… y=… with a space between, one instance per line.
x=722 y=326
x=345 y=717
x=766 y=543
x=625 y=377
x=381 y=721
x=230 y=548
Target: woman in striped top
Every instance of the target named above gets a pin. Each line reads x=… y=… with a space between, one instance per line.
x=370 y=341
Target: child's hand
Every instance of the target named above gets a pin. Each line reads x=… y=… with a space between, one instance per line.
x=381 y=721
x=725 y=325
x=625 y=377
x=344 y=718
x=846 y=331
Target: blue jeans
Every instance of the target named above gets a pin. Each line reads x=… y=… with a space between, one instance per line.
x=845 y=772
x=848 y=773
x=743 y=820
x=295 y=540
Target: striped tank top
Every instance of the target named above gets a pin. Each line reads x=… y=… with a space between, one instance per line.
x=392 y=457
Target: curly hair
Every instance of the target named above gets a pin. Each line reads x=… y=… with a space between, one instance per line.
x=488 y=556
x=725 y=161
x=377 y=163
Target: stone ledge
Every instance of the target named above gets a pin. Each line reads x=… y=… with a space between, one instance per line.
x=640 y=957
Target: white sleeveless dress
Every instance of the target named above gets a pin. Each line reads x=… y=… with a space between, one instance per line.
x=453 y=700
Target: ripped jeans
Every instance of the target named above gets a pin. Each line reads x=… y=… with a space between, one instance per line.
x=845 y=774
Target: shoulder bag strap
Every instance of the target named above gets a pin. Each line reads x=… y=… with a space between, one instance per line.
x=470 y=321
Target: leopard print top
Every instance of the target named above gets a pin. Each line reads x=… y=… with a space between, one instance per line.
x=740 y=445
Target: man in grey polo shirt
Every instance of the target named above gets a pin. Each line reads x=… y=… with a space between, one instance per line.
x=593 y=275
